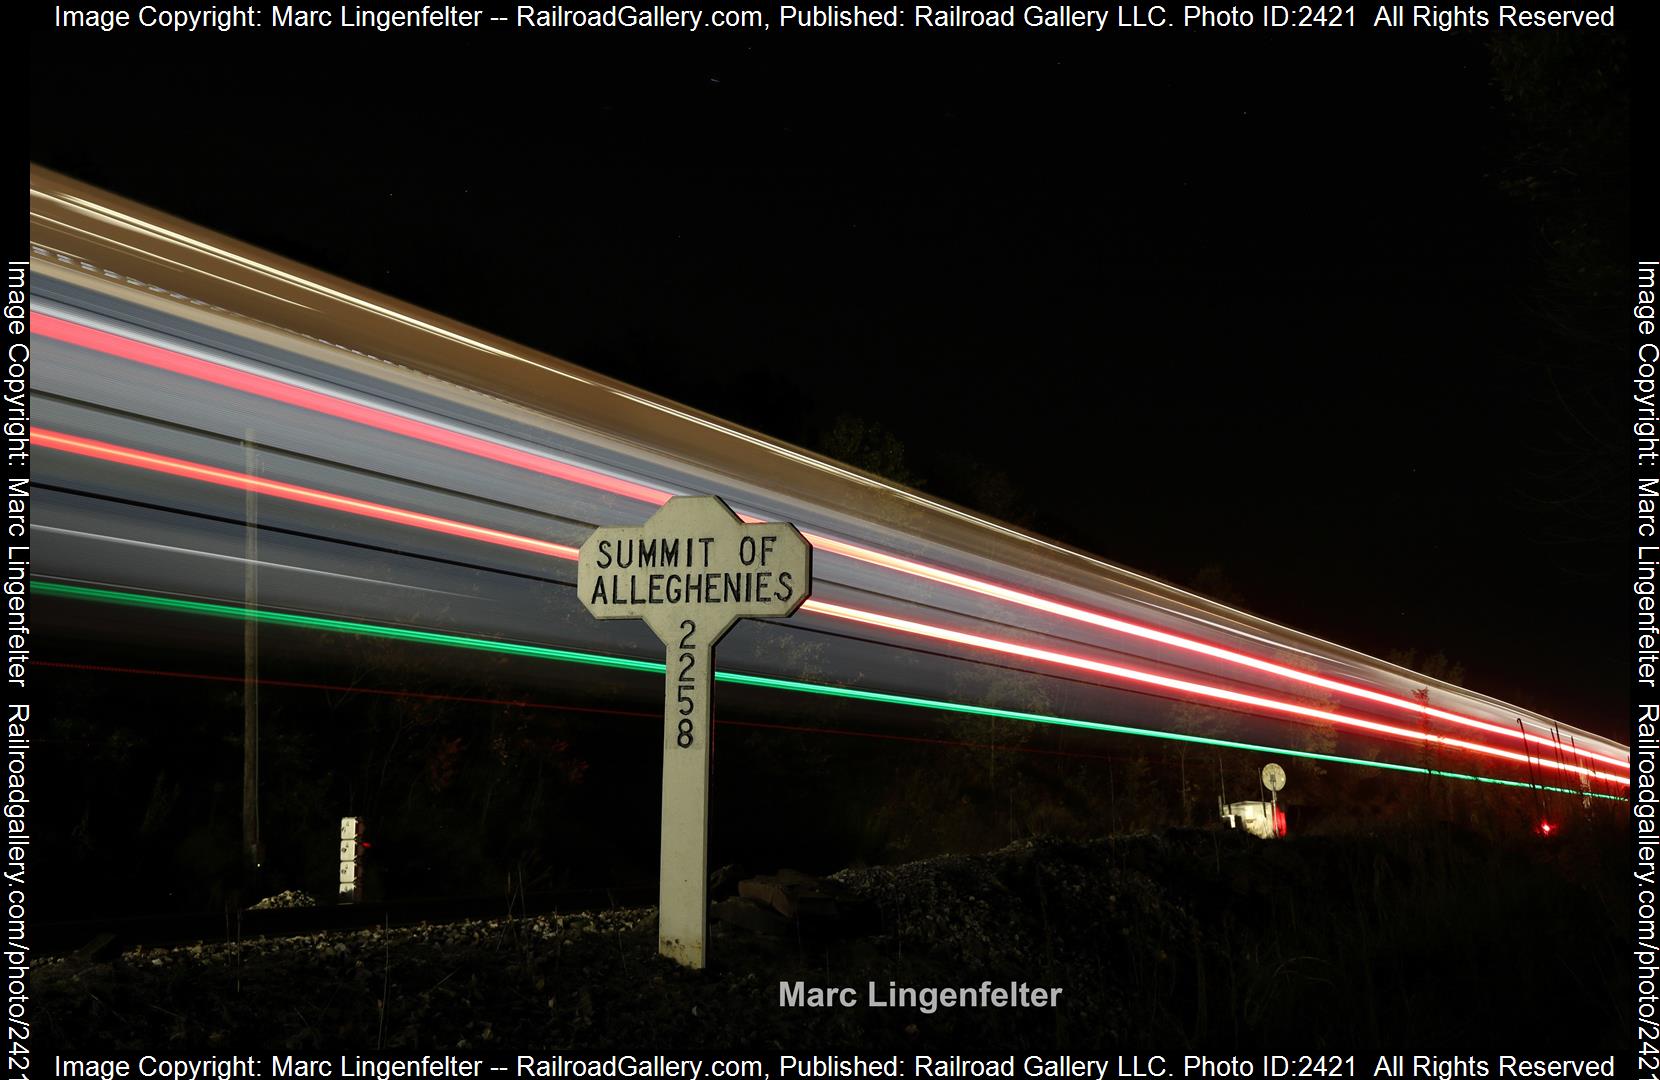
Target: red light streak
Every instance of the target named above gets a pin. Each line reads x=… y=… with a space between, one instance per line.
x=1122 y=626
x=220 y=375
x=1185 y=686
x=384 y=420
x=311 y=496
x=208 y=474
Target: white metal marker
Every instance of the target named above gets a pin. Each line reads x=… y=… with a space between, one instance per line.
x=691 y=571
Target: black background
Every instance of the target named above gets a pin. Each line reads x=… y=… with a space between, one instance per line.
x=1340 y=314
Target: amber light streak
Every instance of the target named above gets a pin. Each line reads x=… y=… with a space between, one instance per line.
x=326 y=404
x=209 y=474
x=310 y=496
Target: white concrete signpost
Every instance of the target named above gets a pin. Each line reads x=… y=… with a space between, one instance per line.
x=691 y=571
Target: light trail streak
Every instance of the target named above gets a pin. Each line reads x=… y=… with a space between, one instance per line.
x=263 y=564
x=311 y=496
x=542 y=652
x=146 y=228
x=209 y=474
x=385 y=420
x=106 y=239
x=1185 y=686
x=178 y=363
x=1148 y=633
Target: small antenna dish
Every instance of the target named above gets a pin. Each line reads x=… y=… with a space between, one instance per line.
x=1273 y=777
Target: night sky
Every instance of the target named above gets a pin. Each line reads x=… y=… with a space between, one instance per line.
x=1329 y=324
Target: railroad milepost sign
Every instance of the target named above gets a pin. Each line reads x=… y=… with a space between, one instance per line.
x=691 y=571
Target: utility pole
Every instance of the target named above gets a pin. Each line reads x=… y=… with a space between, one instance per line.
x=252 y=856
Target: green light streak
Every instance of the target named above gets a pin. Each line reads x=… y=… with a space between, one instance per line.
x=571 y=656
x=343 y=626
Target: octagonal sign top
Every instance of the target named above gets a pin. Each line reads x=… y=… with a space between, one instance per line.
x=693 y=559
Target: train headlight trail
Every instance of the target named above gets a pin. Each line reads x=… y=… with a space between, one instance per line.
x=171 y=466
x=878 y=697
x=166 y=351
